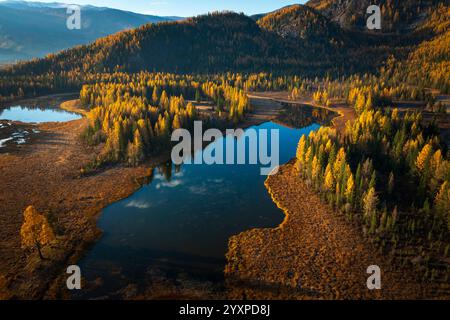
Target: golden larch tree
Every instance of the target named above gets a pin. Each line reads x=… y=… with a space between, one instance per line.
x=423 y=157
x=329 y=179
x=350 y=188
x=36 y=231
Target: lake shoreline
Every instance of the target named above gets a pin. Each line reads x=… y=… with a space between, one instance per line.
x=49 y=178
x=315 y=253
x=50 y=167
x=76 y=212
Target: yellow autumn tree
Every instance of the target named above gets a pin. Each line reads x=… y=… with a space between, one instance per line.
x=36 y=231
x=190 y=110
x=340 y=159
x=329 y=179
x=442 y=202
x=423 y=157
x=370 y=202
x=436 y=160
x=164 y=100
x=315 y=168
x=176 y=124
x=135 y=152
x=301 y=152
x=350 y=189
x=360 y=103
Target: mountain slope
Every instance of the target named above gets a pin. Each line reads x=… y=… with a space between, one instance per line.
x=428 y=64
x=397 y=15
x=296 y=39
x=209 y=43
x=29 y=30
x=302 y=23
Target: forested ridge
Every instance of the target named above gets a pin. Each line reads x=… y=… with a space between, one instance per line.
x=398 y=15
x=294 y=40
x=213 y=43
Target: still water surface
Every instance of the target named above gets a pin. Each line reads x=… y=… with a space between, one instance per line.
x=37 y=114
x=180 y=222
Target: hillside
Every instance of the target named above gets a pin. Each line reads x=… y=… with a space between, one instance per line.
x=397 y=15
x=217 y=42
x=296 y=39
x=302 y=23
x=428 y=63
x=29 y=30
x=209 y=43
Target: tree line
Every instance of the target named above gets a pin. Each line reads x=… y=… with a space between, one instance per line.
x=134 y=119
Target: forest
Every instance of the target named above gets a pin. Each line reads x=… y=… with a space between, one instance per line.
x=296 y=40
x=134 y=119
x=390 y=174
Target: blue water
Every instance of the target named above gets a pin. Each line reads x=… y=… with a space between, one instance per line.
x=37 y=115
x=181 y=221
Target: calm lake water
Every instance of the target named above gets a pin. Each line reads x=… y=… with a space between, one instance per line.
x=178 y=225
x=37 y=115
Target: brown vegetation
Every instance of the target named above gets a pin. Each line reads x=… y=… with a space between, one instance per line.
x=45 y=174
x=317 y=252
x=314 y=254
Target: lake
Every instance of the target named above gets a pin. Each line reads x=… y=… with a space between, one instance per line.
x=177 y=226
x=12 y=135
x=37 y=114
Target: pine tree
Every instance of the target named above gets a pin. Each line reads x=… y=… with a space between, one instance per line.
x=197 y=95
x=329 y=179
x=373 y=223
x=350 y=189
x=423 y=157
x=155 y=95
x=370 y=202
x=391 y=183
x=373 y=180
x=442 y=203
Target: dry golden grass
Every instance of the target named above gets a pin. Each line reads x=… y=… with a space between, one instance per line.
x=314 y=254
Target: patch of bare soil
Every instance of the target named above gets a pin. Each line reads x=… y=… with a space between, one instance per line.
x=315 y=254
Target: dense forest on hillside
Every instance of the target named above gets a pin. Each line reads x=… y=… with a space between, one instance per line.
x=301 y=22
x=294 y=40
x=398 y=15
